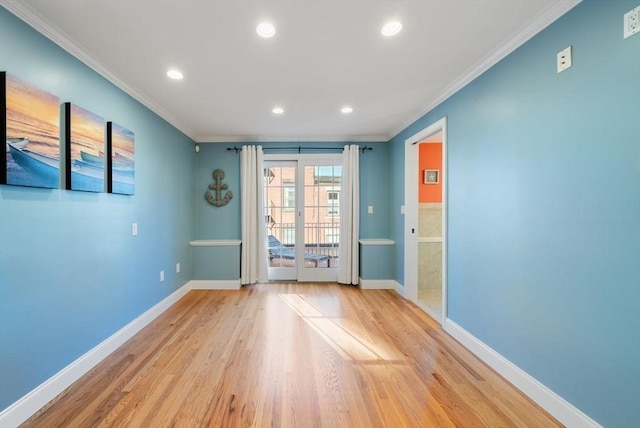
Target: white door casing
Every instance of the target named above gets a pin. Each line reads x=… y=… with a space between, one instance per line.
x=411 y=212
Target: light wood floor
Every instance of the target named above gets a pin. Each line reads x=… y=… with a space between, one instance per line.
x=292 y=355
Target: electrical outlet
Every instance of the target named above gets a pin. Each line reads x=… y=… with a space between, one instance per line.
x=632 y=22
x=161 y=275
x=564 y=59
x=401 y=209
x=134 y=229
x=177 y=267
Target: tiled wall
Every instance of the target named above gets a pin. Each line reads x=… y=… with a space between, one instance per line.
x=430 y=220
x=429 y=253
x=429 y=267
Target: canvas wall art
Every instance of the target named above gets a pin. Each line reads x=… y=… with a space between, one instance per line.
x=84 y=150
x=31 y=130
x=121 y=159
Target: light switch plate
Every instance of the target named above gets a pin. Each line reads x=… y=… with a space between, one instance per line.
x=134 y=229
x=370 y=209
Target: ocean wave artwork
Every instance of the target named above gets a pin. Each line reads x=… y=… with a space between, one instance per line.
x=85 y=132
x=121 y=143
x=32 y=134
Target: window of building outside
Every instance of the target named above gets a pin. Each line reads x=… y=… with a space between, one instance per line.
x=333 y=203
x=288 y=196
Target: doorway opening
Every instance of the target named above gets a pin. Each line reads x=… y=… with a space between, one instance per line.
x=302 y=213
x=426 y=220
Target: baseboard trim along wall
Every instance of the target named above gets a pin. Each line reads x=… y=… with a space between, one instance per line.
x=377 y=284
x=557 y=406
x=231 y=284
x=399 y=288
x=25 y=407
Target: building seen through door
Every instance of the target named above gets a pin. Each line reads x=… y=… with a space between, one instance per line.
x=302 y=211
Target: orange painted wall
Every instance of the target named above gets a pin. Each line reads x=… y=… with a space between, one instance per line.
x=430 y=157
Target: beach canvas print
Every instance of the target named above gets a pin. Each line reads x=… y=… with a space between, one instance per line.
x=85 y=148
x=31 y=130
x=120 y=150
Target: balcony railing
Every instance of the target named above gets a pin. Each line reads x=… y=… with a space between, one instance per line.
x=320 y=239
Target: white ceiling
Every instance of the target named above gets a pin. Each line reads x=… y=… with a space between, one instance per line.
x=325 y=54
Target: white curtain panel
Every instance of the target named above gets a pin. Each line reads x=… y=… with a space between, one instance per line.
x=254 y=240
x=349 y=216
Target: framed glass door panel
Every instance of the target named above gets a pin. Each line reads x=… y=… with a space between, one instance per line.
x=281 y=219
x=302 y=214
x=321 y=221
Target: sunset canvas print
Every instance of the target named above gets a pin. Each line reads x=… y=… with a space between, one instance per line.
x=85 y=148
x=31 y=130
x=121 y=171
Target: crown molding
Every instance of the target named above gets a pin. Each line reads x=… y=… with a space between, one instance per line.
x=32 y=18
x=203 y=139
x=543 y=21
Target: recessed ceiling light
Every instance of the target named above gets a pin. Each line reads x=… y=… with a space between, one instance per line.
x=346 y=109
x=175 y=74
x=391 y=28
x=266 y=29
x=277 y=110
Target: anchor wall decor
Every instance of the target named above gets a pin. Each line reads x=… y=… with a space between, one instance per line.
x=218 y=187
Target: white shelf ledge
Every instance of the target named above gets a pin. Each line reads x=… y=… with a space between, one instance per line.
x=215 y=243
x=377 y=242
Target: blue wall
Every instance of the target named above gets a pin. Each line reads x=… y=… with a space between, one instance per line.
x=224 y=222
x=217 y=222
x=219 y=263
x=71 y=274
x=377 y=262
x=544 y=210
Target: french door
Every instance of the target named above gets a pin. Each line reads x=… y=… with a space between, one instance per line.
x=302 y=213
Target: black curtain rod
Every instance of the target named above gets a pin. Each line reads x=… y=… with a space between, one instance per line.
x=300 y=148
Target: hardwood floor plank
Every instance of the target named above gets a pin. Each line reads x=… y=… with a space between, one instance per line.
x=292 y=355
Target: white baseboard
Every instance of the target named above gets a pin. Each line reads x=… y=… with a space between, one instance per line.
x=557 y=406
x=399 y=289
x=377 y=284
x=232 y=284
x=26 y=406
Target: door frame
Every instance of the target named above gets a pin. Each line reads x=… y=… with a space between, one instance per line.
x=412 y=212
x=284 y=273
x=301 y=160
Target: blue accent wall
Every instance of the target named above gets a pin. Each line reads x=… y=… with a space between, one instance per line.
x=217 y=222
x=71 y=274
x=544 y=210
x=375 y=190
x=225 y=222
x=219 y=263
x=377 y=261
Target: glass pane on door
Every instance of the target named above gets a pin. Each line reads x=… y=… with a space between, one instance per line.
x=280 y=217
x=321 y=216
